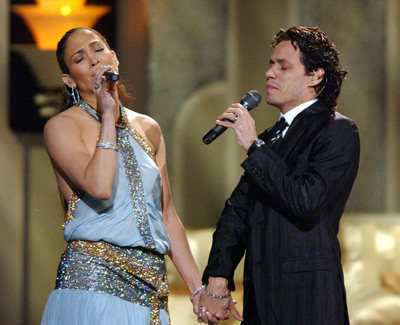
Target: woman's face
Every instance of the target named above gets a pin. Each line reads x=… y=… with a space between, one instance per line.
x=85 y=53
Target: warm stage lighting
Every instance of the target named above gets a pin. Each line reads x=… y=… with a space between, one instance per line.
x=65 y=10
x=48 y=20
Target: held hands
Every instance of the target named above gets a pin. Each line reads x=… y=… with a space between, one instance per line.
x=242 y=123
x=213 y=303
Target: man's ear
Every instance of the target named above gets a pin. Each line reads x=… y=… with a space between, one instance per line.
x=67 y=79
x=317 y=76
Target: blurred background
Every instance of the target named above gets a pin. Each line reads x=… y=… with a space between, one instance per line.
x=184 y=62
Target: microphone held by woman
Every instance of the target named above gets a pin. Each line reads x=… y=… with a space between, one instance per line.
x=111 y=76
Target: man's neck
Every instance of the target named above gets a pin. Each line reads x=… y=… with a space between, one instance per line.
x=295 y=104
x=292 y=113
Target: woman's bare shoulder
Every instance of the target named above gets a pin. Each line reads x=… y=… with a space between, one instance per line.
x=63 y=125
x=61 y=120
x=146 y=126
x=144 y=120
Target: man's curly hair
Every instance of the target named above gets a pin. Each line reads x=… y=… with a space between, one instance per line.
x=316 y=52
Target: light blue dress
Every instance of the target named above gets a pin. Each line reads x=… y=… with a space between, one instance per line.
x=113 y=270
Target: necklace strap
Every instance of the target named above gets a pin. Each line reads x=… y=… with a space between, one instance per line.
x=90 y=110
x=124 y=125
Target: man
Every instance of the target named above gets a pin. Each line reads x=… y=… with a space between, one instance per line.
x=285 y=211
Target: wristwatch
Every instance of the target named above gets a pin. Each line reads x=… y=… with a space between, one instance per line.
x=257 y=143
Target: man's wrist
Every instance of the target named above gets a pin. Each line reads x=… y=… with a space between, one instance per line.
x=218 y=286
x=213 y=295
x=257 y=143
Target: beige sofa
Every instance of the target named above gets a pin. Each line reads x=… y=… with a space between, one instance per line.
x=371 y=264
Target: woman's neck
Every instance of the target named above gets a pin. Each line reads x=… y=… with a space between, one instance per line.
x=91 y=101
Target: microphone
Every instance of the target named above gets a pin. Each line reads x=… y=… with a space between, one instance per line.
x=111 y=76
x=249 y=101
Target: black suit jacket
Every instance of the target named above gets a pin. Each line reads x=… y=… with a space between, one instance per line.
x=284 y=214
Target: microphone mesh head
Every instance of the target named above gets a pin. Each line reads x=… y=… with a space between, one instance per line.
x=251 y=99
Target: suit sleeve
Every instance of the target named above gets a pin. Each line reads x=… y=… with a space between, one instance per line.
x=332 y=162
x=229 y=238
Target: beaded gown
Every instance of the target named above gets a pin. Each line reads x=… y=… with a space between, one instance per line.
x=113 y=269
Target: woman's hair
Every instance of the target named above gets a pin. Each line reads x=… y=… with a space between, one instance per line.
x=66 y=100
x=316 y=52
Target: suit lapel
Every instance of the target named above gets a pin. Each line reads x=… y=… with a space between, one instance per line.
x=306 y=122
x=267 y=135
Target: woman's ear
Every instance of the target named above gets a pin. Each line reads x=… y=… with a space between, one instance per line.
x=67 y=79
x=115 y=58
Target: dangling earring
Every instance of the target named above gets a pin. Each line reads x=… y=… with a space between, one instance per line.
x=75 y=98
x=74 y=95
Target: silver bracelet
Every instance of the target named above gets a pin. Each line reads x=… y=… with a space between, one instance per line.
x=216 y=296
x=196 y=291
x=106 y=145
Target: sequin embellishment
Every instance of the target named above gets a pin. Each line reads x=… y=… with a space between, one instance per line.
x=132 y=171
x=73 y=200
x=142 y=142
x=132 y=274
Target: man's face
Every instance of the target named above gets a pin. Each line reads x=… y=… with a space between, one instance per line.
x=288 y=85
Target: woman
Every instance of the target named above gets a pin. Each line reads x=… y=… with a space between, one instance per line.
x=110 y=166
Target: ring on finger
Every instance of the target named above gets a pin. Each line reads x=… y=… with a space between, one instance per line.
x=199 y=314
x=236 y=117
x=96 y=85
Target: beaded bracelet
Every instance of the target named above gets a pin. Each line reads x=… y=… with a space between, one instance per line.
x=106 y=145
x=216 y=296
x=196 y=291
